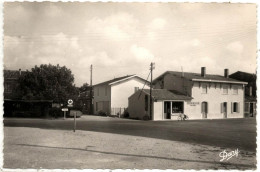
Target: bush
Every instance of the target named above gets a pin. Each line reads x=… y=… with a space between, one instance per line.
x=102 y=113
x=55 y=112
x=126 y=113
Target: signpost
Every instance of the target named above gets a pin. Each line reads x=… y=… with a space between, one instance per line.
x=65 y=110
x=70 y=104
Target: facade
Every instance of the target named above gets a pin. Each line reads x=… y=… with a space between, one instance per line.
x=207 y=96
x=11 y=82
x=111 y=96
x=250 y=91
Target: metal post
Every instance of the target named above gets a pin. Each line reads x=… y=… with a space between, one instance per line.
x=151 y=68
x=64 y=115
x=91 y=111
x=74 y=122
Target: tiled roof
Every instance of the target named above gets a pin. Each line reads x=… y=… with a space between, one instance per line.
x=118 y=79
x=191 y=76
x=244 y=76
x=163 y=94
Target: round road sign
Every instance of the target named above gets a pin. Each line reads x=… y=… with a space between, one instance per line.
x=70 y=102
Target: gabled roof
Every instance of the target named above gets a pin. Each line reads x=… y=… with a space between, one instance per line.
x=198 y=77
x=244 y=76
x=119 y=79
x=164 y=94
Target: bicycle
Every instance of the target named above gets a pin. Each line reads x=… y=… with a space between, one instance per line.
x=183 y=117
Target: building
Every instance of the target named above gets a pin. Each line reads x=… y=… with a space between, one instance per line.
x=14 y=105
x=85 y=101
x=250 y=91
x=198 y=95
x=111 y=97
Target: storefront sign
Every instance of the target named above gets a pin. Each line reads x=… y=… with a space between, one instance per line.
x=193 y=103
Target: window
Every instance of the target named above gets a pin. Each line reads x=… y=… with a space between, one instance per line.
x=96 y=106
x=146 y=103
x=98 y=91
x=204 y=89
x=177 y=107
x=136 y=89
x=235 y=107
x=235 y=90
x=225 y=89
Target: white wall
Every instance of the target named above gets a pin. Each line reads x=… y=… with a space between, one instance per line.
x=120 y=92
x=215 y=97
x=158 y=110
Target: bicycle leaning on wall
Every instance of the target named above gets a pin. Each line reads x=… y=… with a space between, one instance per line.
x=182 y=117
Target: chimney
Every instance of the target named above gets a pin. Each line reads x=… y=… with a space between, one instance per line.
x=226 y=73
x=20 y=72
x=203 y=71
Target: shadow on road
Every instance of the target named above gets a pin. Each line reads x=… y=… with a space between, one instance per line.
x=237 y=166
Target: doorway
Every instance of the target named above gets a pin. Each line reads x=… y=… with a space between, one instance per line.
x=251 y=109
x=167 y=110
x=225 y=109
x=204 y=109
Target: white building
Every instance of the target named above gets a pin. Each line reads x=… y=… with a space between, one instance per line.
x=111 y=96
x=200 y=96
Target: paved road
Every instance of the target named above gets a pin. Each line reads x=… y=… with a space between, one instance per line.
x=225 y=133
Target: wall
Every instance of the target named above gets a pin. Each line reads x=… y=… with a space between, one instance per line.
x=215 y=97
x=104 y=100
x=121 y=91
x=158 y=110
x=136 y=106
x=177 y=83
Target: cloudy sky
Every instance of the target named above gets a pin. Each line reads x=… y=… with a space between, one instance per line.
x=124 y=38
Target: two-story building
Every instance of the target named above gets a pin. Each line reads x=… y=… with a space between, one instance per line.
x=250 y=91
x=198 y=95
x=111 y=96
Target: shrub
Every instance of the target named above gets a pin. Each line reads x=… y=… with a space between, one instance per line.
x=102 y=113
x=55 y=112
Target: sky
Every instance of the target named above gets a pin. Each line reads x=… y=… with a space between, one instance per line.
x=121 y=39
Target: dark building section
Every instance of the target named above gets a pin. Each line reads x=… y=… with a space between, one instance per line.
x=250 y=91
x=85 y=101
x=14 y=106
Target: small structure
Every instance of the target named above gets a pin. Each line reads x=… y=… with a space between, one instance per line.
x=166 y=104
x=111 y=97
x=250 y=91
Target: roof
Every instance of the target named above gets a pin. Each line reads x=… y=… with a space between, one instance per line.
x=198 y=77
x=244 y=76
x=164 y=94
x=116 y=80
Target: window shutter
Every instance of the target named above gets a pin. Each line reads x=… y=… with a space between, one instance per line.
x=231 y=107
x=238 y=107
x=221 y=107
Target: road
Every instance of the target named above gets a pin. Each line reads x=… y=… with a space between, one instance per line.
x=224 y=133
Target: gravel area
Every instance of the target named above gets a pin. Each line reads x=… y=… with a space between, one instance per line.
x=63 y=149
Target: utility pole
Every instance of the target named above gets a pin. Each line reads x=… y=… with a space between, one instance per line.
x=151 y=69
x=91 y=68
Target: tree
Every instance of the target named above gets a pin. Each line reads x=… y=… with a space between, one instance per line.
x=48 y=82
x=84 y=87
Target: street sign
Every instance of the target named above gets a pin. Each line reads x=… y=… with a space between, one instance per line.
x=70 y=101
x=65 y=109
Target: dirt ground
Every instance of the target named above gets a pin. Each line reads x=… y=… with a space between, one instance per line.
x=63 y=149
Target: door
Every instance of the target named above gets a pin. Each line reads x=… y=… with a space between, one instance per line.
x=204 y=110
x=251 y=109
x=225 y=109
x=167 y=110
